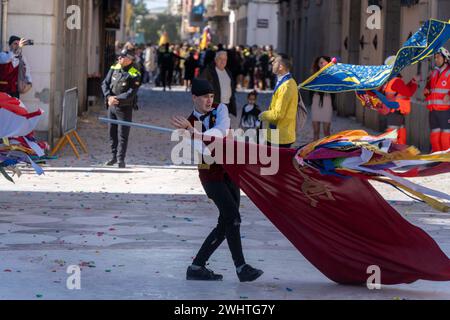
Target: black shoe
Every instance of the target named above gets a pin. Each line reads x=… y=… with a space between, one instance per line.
x=248 y=274
x=111 y=162
x=122 y=165
x=202 y=274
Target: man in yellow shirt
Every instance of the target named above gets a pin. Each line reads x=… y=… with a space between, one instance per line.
x=282 y=113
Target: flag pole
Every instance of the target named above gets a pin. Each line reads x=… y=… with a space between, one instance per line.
x=136 y=125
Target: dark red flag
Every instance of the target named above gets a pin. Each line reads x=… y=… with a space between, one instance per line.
x=341 y=225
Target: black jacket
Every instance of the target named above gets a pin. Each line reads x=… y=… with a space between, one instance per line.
x=123 y=84
x=210 y=74
x=249 y=119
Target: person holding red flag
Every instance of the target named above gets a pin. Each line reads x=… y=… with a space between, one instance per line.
x=437 y=94
x=218 y=186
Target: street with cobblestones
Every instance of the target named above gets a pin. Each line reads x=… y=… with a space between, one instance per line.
x=134 y=231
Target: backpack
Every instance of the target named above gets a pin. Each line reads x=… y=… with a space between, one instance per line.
x=302 y=115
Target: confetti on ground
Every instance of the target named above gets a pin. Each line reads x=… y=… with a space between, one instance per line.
x=60 y=262
x=90 y=264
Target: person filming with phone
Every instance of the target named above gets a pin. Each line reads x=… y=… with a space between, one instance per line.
x=15 y=75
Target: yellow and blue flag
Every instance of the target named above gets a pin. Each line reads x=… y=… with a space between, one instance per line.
x=339 y=77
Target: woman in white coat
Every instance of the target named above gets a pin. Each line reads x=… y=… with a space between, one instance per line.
x=322 y=104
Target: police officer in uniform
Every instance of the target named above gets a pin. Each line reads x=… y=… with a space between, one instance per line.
x=120 y=89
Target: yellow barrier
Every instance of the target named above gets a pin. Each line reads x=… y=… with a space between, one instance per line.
x=66 y=139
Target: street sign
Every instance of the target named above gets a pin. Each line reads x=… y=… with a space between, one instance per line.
x=262 y=23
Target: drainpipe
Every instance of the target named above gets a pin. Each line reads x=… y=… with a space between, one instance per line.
x=3 y=23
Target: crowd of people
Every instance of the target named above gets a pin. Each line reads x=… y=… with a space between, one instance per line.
x=179 y=64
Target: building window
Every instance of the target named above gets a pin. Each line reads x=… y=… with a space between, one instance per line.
x=262 y=23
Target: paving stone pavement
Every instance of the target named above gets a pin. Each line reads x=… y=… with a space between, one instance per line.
x=134 y=231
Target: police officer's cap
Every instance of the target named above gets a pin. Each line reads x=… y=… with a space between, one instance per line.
x=128 y=53
x=201 y=87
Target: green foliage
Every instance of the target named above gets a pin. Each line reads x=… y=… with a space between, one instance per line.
x=139 y=11
x=139 y=8
x=153 y=28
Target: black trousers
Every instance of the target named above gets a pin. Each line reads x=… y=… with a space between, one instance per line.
x=226 y=196
x=118 y=135
x=166 y=77
x=439 y=120
x=251 y=83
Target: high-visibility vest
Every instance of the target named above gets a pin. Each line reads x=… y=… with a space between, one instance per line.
x=8 y=78
x=439 y=86
x=403 y=101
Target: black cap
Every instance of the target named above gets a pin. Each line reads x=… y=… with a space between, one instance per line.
x=12 y=39
x=129 y=53
x=200 y=87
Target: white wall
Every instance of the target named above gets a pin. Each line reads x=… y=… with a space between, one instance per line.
x=35 y=20
x=262 y=36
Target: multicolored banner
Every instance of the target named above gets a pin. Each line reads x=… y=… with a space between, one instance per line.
x=339 y=77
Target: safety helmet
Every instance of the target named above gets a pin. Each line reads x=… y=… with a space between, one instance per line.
x=444 y=52
x=390 y=61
